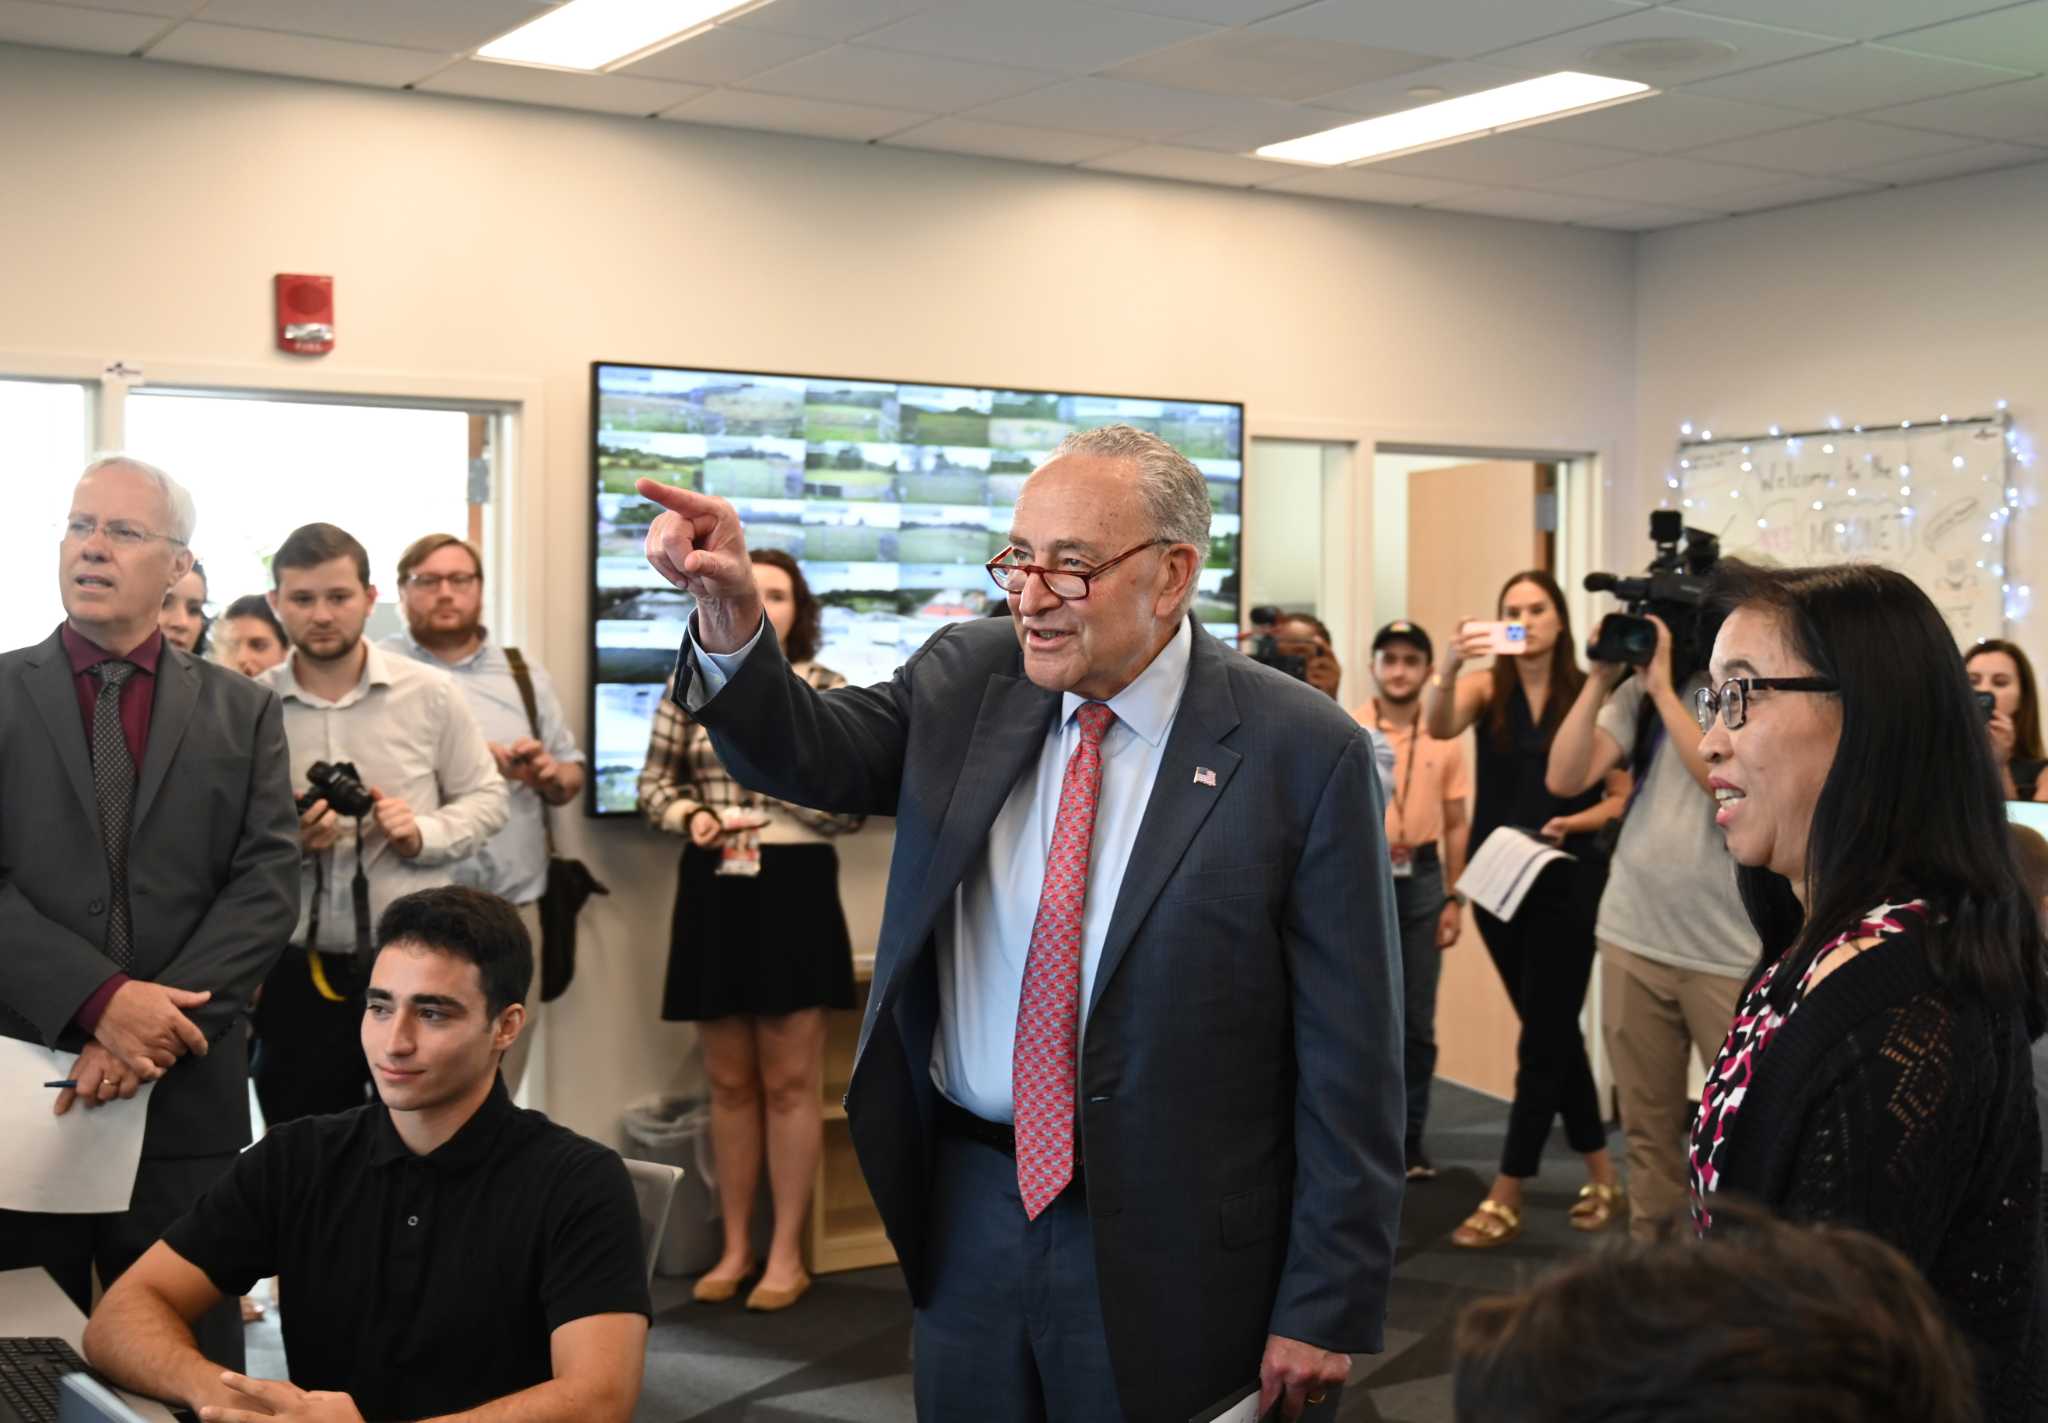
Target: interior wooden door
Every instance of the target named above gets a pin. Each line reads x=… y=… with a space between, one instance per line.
x=1469 y=527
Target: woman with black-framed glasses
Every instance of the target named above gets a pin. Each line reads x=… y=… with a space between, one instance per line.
x=1877 y=1072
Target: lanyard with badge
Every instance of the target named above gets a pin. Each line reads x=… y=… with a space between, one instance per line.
x=1400 y=854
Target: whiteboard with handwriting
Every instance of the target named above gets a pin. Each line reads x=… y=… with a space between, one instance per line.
x=1929 y=500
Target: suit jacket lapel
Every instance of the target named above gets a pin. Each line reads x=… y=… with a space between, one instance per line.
x=56 y=700
x=1009 y=734
x=177 y=691
x=1179 y=803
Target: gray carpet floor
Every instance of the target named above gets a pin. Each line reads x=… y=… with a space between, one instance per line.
x=843 y=1353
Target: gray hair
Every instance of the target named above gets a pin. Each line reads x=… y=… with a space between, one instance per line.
x=177 y=498
x=1175 y=495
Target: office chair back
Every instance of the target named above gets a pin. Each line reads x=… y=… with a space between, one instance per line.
x=654 y=1186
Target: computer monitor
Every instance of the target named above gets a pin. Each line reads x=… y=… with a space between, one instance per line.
x=82 y=1398
x=2032 y=814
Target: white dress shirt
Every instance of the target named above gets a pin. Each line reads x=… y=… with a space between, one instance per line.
x=411 y=734
x=984 y=940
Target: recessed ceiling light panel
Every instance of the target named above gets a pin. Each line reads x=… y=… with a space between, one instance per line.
x=595 y=35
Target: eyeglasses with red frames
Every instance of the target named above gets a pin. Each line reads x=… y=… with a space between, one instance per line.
x=1731 y=700
x=1063 y=583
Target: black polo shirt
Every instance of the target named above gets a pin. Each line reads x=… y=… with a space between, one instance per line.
x=423 y=1285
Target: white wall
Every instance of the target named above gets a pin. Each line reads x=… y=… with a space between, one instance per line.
x=1897 y=305
x=480 y=247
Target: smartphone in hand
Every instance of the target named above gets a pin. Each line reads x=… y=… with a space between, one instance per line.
x=1503 y=639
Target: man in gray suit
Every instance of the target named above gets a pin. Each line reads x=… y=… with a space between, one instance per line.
x=149 y=873
x=1128 y=1094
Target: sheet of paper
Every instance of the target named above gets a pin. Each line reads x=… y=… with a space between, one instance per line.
x=1236 y=1408
x=1498 y=877
x=82 y=1163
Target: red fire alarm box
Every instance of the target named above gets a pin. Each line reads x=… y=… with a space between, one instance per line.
x=305 y=314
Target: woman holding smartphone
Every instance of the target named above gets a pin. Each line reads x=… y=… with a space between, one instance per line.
x=1999 y=670
x=758 y=952
x=1545 y=953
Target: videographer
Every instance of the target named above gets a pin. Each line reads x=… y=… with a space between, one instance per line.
x=1675 y=942
x=1301 y=646
x=390 y=744
x=1999 y=670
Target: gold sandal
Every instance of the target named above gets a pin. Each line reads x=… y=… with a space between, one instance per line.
x=1490 y=1225
x=1598 y=1204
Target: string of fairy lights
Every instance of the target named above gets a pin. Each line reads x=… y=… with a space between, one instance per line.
x=1874 y=484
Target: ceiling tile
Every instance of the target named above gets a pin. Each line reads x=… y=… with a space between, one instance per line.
x=169 y=9
x=1029 y=145
x=1856 y=79
x=724 y=54
x=1189 y=165
x=2016 y=38
x=1978 y=159
x=307 y=57
x=1833 y=146
x=1534 y=207
x=451 y=26
x=1644 y=218
x=1268 y=66
x=1666 y=123
x=1731 y=45
x=1861 y=20
x=1457 y=29
x=734 y=108
x=1676 y=181
x=1046 y=34
x=1214 y=12
x=1452 y=81
x=66 y=27
x=604 y=93
x=1122 y=109
x=1366 y=185
x=2010 y=111
x=1509 y=159
x=1278 y=122
x=1798 y=190
x=880 y=78
x=830 y=19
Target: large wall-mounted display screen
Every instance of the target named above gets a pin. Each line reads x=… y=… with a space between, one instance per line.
x=891 y=495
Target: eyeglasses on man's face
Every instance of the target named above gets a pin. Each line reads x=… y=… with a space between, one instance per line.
x=431 y=582
x=1068 y=585
x=1731 y=701
x=121 y=533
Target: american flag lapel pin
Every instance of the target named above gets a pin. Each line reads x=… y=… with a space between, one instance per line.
x=1205 y=777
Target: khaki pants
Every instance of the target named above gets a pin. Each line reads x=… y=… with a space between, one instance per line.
x=1652 y=1015
x=514 y=1066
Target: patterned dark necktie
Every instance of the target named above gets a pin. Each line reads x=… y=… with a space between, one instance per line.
x=113 y=785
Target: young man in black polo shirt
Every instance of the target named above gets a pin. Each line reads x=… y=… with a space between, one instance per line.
x=445 y=1252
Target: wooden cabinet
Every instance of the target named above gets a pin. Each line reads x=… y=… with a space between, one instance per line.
x=846 y=1230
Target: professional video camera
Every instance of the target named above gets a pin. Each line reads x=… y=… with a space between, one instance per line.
x=1675 y=589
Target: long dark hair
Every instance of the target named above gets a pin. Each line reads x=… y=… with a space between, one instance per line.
x=802 y=643
x=1566 y=677
x=2026 y=719
x=1913 y=804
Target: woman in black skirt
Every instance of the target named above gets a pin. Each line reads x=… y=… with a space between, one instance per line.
x=757 y=953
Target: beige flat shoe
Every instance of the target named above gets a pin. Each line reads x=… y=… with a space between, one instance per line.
x=710 y=1291
x=766 y=1301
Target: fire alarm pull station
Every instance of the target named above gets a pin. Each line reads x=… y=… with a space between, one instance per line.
x=305 y=314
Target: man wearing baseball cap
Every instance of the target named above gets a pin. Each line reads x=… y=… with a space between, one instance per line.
x=1426 y=832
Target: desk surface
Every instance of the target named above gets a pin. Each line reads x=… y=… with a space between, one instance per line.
x=32 y=1305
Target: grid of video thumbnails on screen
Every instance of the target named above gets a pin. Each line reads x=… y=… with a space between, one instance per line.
x=891 y=496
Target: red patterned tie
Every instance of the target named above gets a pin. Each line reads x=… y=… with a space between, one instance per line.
x=1049 y=1009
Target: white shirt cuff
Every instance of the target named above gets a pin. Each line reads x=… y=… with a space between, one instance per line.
x=714 y=669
